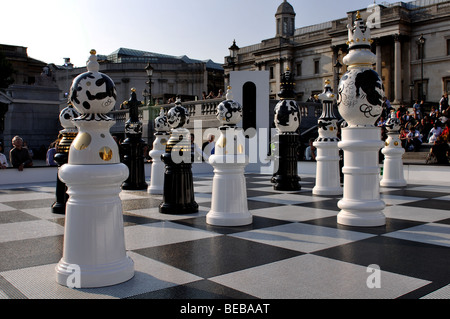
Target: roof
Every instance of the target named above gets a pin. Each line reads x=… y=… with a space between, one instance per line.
x=124 y=55
x=285 y=8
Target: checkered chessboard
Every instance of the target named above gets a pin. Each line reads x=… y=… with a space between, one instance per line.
x=294 y=248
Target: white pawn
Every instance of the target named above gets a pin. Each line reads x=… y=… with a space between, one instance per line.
x=327 y=169
x=159 y=145
x=229 y=191
x=94 y=252
x=393 y=151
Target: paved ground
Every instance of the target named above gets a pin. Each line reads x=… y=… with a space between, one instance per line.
x=294 y=249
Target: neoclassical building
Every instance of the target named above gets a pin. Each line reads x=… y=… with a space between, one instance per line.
x=411 y=41
x=172 y=75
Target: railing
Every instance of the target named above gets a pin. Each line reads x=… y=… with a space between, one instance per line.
x=204 y=110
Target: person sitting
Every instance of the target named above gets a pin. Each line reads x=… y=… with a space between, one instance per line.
x=51 y=152
x=441 y=151
x=434 y=133
x=19 y=155
x=311 y=151
x=414 y=140
x=3 y=161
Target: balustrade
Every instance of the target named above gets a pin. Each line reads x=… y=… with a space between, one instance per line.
x=204 y=110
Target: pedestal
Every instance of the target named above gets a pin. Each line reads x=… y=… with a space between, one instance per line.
x=157 y=170
x=327 y=169
x=94 y=244
x=286 y=177
x=361 y=204
x=178 y=192
x=393 y=163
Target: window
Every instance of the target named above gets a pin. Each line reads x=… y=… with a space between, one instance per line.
x=448 y=46
x=299 y=69
x=316 y=66
x=271 y=73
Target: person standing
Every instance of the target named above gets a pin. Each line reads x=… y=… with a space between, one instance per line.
x=443 y=103
x=208 y=146
x=19 y=155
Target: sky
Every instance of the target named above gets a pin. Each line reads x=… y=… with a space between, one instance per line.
x=200 y=29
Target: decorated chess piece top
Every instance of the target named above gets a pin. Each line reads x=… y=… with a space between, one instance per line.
x=229 y=112
x=361 y=90
x=66 y=116
x=327 y=122
x=287 y=115
x=161 y=124
x=93 y=92
x=178 y=116
x=392 y=123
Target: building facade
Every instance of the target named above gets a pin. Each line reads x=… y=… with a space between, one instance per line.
x=172 y=76
x=411 y=41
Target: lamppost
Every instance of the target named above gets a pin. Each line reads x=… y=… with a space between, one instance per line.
x=421 y=43
x=337 y=69
x=149 y=69
x=233 y=54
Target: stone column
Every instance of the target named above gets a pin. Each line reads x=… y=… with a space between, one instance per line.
x=378 y=54
x=397 y=69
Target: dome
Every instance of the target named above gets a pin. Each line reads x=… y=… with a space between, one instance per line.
x=285 y=8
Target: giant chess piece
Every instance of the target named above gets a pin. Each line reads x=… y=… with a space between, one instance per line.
x=178 y=193
x=287 y=119
x=393 y=163
x=69 y=132
x=327 y=169
x=133 y=146
x=229 y=190
x=94 y=252
x=360 y=104
x=161 y=137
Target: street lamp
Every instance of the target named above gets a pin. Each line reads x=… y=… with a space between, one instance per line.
x=421 y=42
x=149 y=69
x=337 y=68
x=233 y=54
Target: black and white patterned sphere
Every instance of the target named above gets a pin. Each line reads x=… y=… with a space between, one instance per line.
x=393 y=123
x=93 y=92
x=161 y=124
x=177 y=116
x=229 y=112
x=360 y=99
x=287 y=116
x=67 y=115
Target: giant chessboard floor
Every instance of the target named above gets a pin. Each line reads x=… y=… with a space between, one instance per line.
x=294 y=249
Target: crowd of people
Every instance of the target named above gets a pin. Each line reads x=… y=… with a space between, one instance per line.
x=419 y=126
